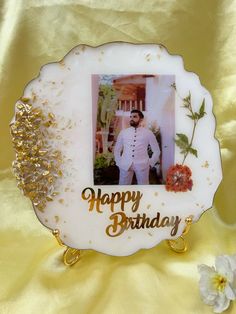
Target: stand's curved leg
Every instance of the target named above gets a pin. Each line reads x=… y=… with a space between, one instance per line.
x=70 y=256
x=180 y=245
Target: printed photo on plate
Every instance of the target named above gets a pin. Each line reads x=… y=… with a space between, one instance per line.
x=133 y=128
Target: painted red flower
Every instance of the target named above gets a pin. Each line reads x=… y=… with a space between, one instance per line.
x=178 y=179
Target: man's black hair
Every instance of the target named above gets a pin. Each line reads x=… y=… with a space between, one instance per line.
x=138 y=112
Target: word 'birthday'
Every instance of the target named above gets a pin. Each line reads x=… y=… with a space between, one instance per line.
x=121 y=223
x=95 y=200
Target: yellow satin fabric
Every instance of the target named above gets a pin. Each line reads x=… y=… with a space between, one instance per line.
x=32 y=276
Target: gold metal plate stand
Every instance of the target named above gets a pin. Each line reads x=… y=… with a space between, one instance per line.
x=180 y=245
x=70 y=256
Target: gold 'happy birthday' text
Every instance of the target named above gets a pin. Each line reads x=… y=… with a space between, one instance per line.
x=120 y=223
x=121 y=198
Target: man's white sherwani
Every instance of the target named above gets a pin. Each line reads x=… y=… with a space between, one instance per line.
x=131 y=154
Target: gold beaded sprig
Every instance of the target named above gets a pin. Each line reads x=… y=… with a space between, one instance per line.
x=38 y=164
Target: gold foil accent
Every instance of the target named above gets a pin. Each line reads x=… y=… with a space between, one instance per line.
x=206 y=164
x=37 y=164
x=57 y=218
x=62 y=63
x=147 y=57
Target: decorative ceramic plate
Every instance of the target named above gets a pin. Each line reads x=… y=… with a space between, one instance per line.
x=115 y=147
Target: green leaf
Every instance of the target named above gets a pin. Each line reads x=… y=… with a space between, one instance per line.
x=183 y=138
x=188 y=98
x=202 y=109
x=193 y=151
x=191 y=116
x=196 y=116
x=181 y=144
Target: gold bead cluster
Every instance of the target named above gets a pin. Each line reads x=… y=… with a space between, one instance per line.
x=38 y=164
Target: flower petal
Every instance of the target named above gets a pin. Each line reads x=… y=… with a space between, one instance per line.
x=206 y=270
x=232 y=261
x=229 y=292
x=223 y=267
x=207 y=291
x=221 y=304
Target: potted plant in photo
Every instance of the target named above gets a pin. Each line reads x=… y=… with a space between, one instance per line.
x=107 y=105
x=105 y=170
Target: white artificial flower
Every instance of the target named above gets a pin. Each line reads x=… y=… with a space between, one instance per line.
x=218 y=284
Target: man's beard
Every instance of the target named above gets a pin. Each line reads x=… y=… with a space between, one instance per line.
x=133 y=123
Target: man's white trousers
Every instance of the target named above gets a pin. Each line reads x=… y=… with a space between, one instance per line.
x=126 y=176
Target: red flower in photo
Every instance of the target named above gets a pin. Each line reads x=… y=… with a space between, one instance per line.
x=178 y=179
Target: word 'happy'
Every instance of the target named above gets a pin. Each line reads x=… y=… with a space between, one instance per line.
x=122 y=198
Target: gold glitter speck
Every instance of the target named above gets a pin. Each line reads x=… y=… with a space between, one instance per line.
x=34 y=96
x=206 y=164
x=147 y=57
